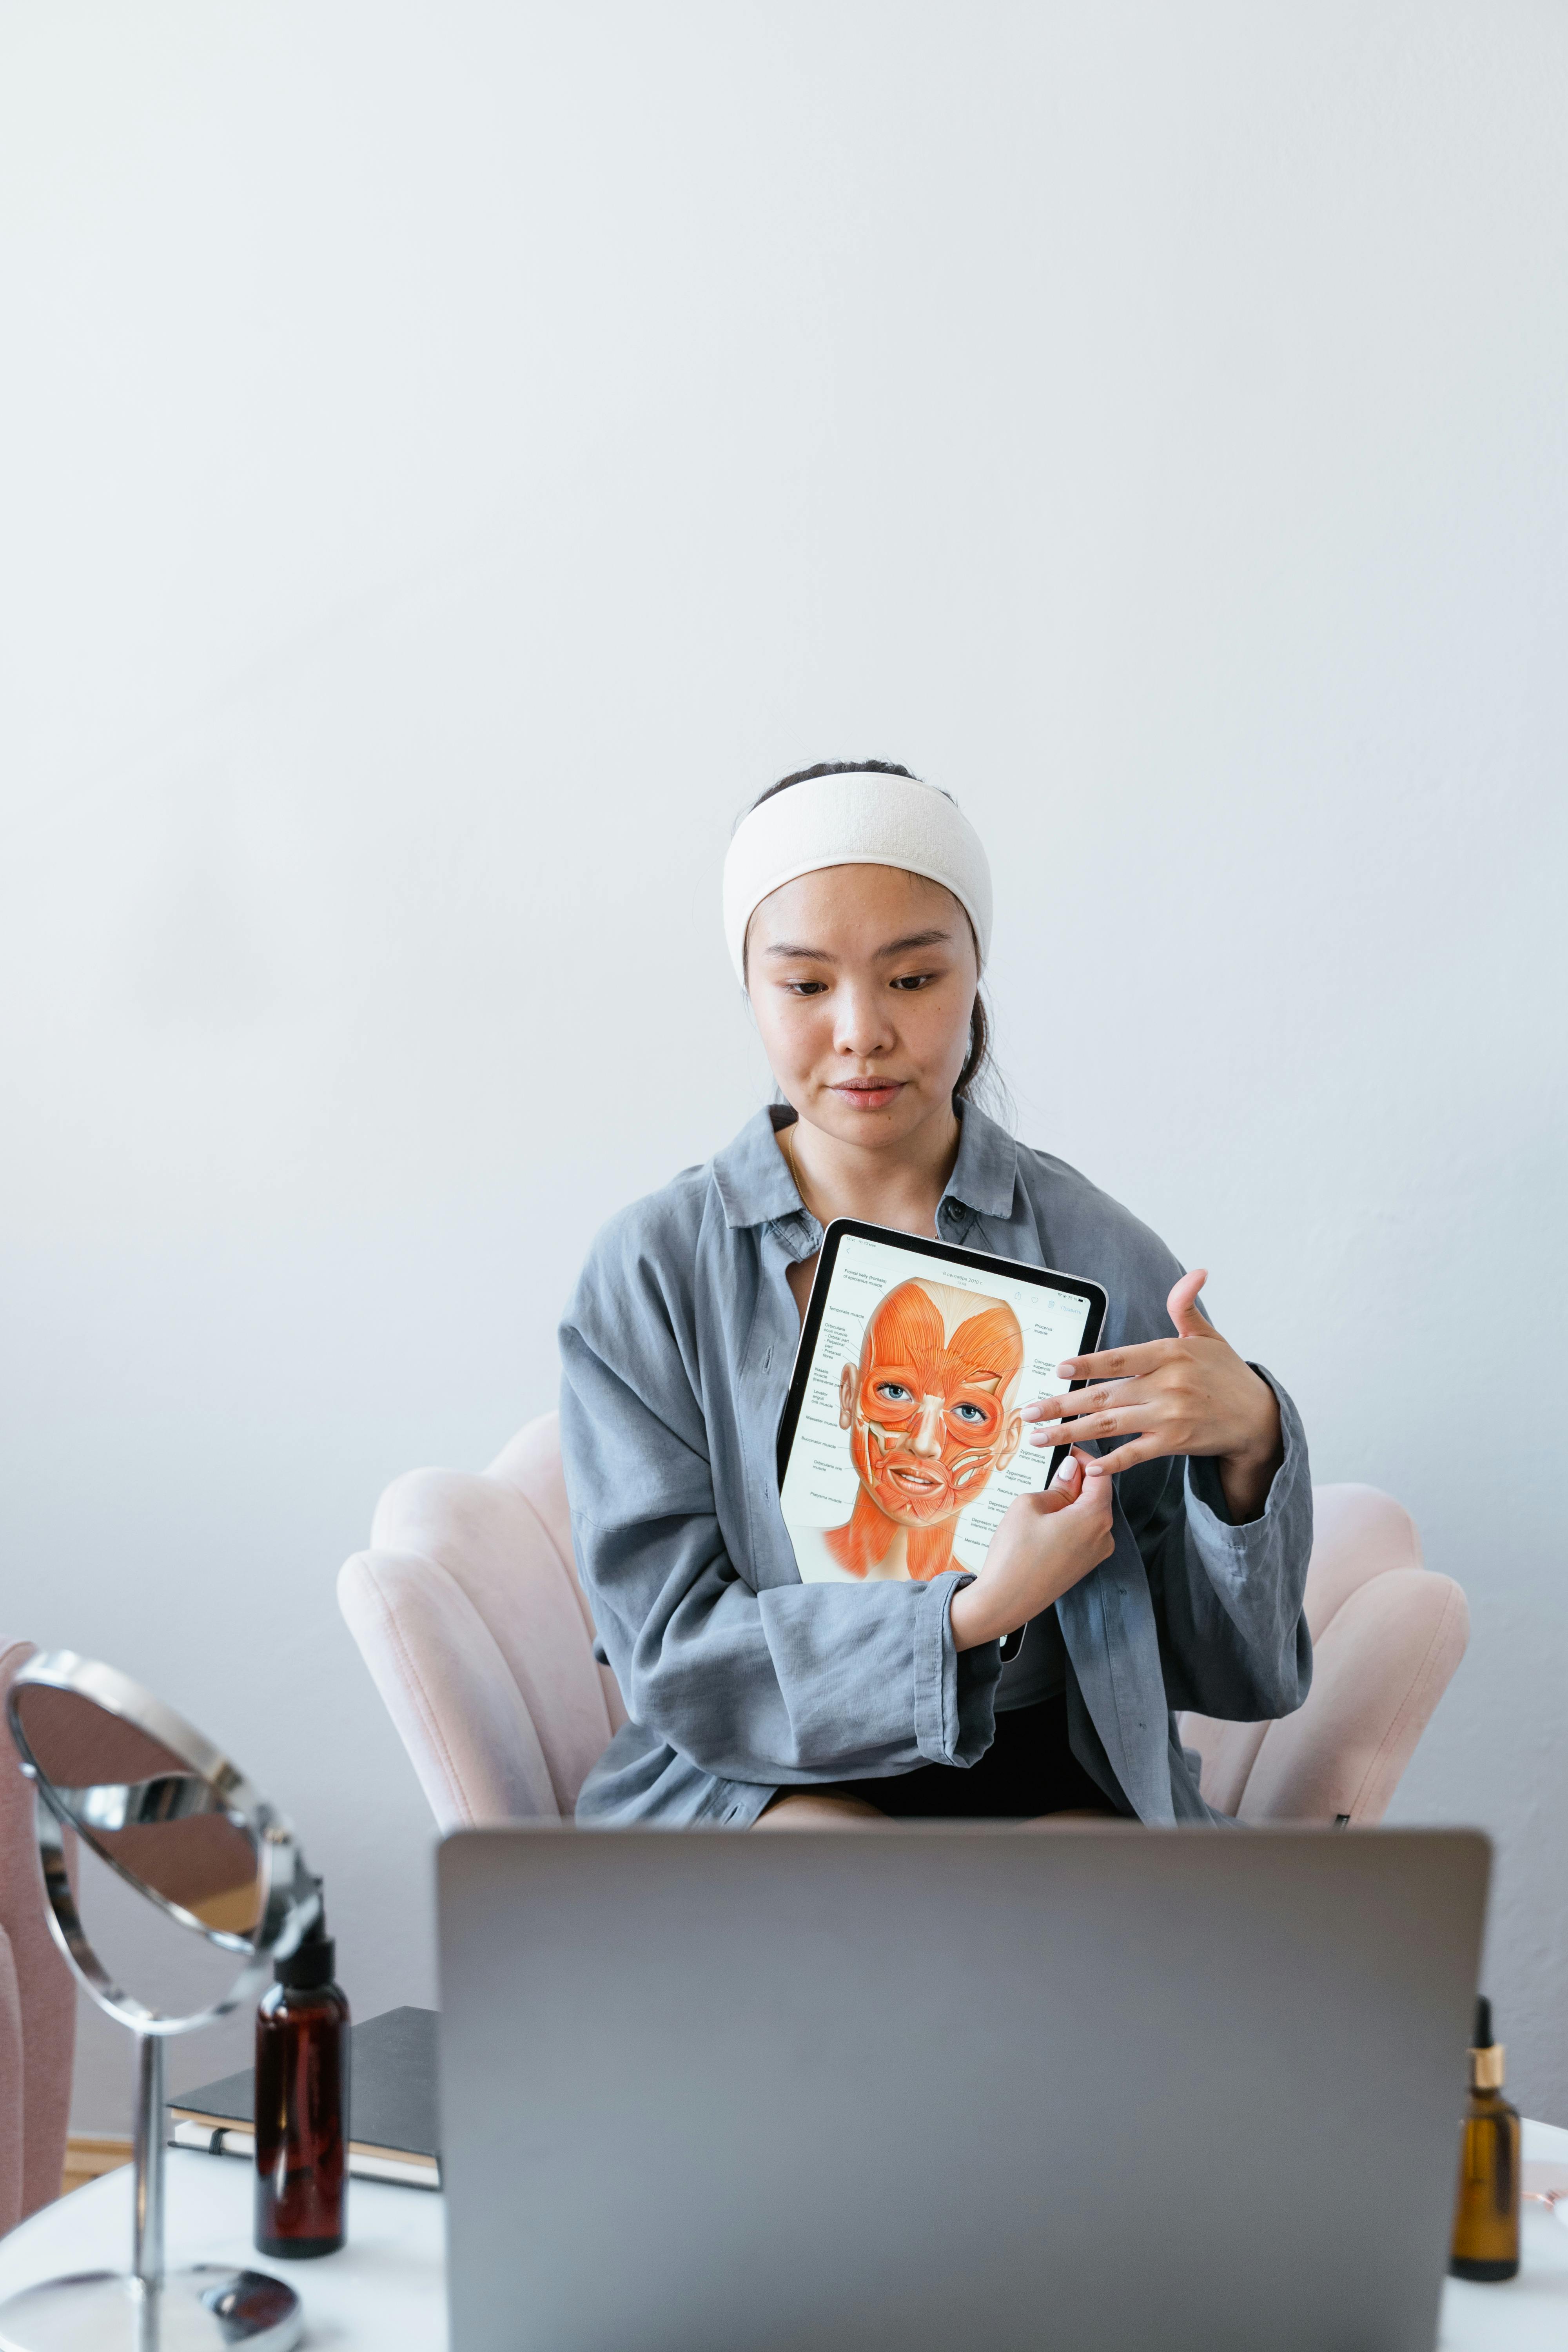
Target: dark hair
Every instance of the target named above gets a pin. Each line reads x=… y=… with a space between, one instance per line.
x=978 y=1073
x=840 y=768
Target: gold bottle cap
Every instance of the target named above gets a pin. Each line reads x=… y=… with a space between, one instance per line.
x=1486 y=2067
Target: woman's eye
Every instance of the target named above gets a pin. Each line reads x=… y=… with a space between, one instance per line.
x=893 y=1392
x=805 y=987
x=969 y=1412
x=912 y=979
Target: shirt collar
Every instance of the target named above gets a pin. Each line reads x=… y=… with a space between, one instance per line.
x=755 y=1185
x=753 y=1180
x=985 y=1173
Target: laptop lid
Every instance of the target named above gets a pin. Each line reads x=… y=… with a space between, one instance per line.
x=925 y=2087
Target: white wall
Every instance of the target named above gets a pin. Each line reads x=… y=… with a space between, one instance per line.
x=455 y=453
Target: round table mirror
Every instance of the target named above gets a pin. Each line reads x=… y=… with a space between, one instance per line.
x=173 y=1818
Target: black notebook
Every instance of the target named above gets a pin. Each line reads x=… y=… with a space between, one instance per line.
x=392 y=2104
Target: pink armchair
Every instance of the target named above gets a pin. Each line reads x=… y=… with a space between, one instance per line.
x=37 y=1998
x=468 y=1611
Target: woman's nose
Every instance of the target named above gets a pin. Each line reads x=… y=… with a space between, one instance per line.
x=927 y=1437
x=862 y=1027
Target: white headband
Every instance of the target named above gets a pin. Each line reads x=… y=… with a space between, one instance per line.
x=854 y=820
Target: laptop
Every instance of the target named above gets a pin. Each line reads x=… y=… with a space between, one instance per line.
x=935 y=2086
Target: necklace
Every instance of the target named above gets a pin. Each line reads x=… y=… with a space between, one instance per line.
x=806 y=1202
x=795 y=1170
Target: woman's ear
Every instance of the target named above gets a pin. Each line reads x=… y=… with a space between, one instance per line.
x=1012 y=1438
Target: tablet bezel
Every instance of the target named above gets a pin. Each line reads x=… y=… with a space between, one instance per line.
x=952 y=1254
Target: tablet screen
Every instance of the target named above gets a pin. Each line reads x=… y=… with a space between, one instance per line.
x=901 y=1444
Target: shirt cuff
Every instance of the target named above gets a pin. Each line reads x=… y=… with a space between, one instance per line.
x=1207 y=1509
x=955 y=1718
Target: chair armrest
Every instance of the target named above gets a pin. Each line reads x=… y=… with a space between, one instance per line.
x=447 y=1689
x=491 y=1540
x=1385 y=1660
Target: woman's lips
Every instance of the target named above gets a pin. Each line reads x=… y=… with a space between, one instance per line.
x=869 y=1094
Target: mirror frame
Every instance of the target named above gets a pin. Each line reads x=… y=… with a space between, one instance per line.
x=289 y=1900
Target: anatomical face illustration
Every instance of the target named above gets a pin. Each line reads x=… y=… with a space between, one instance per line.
x=929 y=1416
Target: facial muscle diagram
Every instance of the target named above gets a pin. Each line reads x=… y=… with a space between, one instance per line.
x=929 y=1409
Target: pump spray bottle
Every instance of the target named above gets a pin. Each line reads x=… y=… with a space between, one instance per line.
x=302 y=2103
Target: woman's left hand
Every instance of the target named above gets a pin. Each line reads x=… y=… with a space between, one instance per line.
x=1192 y=1394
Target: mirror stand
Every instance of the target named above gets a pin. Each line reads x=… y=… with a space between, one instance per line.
x=206 y=2307
x=147 y=2156
x=113 y=1765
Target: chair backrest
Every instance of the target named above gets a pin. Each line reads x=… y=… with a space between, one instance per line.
x=1387 y=1635
x=37 y=1998
x=471 y=1619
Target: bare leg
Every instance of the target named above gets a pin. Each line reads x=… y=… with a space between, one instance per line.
x=803 y=1809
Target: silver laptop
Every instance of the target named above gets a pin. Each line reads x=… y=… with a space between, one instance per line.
x=931 y=2087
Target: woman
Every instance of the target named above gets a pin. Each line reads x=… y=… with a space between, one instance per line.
x=1165 y=1574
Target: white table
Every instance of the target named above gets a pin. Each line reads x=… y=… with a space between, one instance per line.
x=386 y=2287
x=385 y=2290
x=1529 y=2311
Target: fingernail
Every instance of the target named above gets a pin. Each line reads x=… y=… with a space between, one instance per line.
x=1064 y=1371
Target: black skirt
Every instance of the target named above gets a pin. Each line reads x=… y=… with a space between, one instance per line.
x=1028 y=1768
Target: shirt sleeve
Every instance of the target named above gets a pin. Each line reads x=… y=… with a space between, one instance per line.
x=799 y=1684
x=1233 y=1635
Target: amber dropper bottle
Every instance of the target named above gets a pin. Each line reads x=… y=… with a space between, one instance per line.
x=1486 y=2211
x=302 y=2104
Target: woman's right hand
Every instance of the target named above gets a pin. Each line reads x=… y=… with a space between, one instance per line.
x=1044 y=1545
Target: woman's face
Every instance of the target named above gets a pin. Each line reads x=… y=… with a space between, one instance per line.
x=862 y=979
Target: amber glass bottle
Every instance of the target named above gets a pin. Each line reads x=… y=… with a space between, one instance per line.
x=302 y=2105
x=1486 y=2209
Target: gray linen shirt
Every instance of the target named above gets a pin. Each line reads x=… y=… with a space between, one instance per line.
x=739 y=1680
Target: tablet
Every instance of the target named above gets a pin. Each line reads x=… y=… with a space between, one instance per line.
x=902 y=1443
